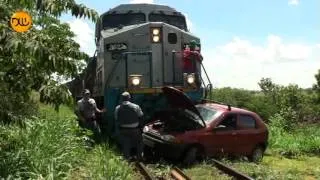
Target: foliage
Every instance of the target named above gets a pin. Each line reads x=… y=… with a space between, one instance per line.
x=273 y=166
x=291 y=102
x=103 y=163
x=316 y=86
x=29 y=59
x=299 y=141
x=51 y=146
x=46 y=148
x=252 y=100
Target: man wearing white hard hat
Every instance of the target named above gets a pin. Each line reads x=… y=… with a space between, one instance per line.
x=129 y=119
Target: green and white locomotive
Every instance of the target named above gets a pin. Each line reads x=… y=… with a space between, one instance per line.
x=139 y=50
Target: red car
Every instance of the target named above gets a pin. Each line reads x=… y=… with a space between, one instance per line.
x=187 y=131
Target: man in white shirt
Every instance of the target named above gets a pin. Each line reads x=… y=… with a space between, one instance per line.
x=86 y=112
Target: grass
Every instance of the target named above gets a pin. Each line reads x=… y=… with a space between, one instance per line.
x=278 y=167
x=51 y=146
x=291 y=155
x=273 y=166
x=205 y=171
x=301 y=141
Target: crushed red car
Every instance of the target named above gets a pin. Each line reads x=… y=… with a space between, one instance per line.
x=186 y=131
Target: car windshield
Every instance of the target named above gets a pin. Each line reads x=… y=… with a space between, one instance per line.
x=193 y=116
x=174 y=20
x=208 y=114
x=116 y=20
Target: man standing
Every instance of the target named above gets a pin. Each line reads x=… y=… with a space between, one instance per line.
x=86 y=112
x=189 y=57
x=128 y=117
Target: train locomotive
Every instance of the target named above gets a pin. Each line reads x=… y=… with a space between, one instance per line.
x=139 y=50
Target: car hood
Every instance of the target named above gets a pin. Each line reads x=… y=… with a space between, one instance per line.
x=179 y=99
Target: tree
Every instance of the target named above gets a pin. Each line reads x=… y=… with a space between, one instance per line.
x=266 y=85
x=316 y=86
x=28 y=60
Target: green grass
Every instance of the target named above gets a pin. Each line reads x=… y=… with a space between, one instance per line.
x=278 y=167
x=205 y=171
x=302 y=140
x=291 y=155
x=273 y=166
x=51 y=146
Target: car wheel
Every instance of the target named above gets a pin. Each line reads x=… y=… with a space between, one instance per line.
x=191 y=155
x=147 y=153
x=257 y=154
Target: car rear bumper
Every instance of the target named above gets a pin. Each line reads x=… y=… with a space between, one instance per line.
x=164 y=148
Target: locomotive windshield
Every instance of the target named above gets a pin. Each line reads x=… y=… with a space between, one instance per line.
x=174 y=20
x=116 y=20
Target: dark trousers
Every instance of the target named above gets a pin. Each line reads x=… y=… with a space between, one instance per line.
x=131 y=138
x=91 y=124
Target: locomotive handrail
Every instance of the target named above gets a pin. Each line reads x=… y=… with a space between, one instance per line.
x=205 y=72
x=209 y=85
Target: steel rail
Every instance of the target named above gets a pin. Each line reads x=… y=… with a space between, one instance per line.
x=144 y=171
x=178 y=174
x=232 y=172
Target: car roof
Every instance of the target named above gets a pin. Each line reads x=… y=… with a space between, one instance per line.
x=225 y=108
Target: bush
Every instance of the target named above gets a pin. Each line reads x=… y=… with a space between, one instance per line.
x=14 y=107
x=46 y=148
x=51 y=146
x=298 y=141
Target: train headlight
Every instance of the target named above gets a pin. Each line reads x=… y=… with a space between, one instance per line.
x=190 y=78
x=156 y=38
x=155 y=31
x=135 y=80
x=155 y=35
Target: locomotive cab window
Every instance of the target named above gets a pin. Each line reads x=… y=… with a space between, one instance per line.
x=172 y=38
x=117 y=20
x=174 y=20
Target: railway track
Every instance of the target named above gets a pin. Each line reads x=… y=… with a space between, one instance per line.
x=230 y=171
x=178 y=174
x=144 y=171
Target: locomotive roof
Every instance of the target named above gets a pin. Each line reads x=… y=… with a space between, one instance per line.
x=144 y=8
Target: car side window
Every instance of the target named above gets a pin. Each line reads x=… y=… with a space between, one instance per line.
x=247 y=122
x=229 y=121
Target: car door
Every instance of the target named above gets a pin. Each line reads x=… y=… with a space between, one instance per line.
x=220 y=139
x=247 y=133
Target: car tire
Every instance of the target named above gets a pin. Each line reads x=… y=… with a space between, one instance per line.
x=147 y=153
x=191 y=155
x=257 y=154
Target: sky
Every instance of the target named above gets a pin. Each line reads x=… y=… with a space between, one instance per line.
x=242 y=41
